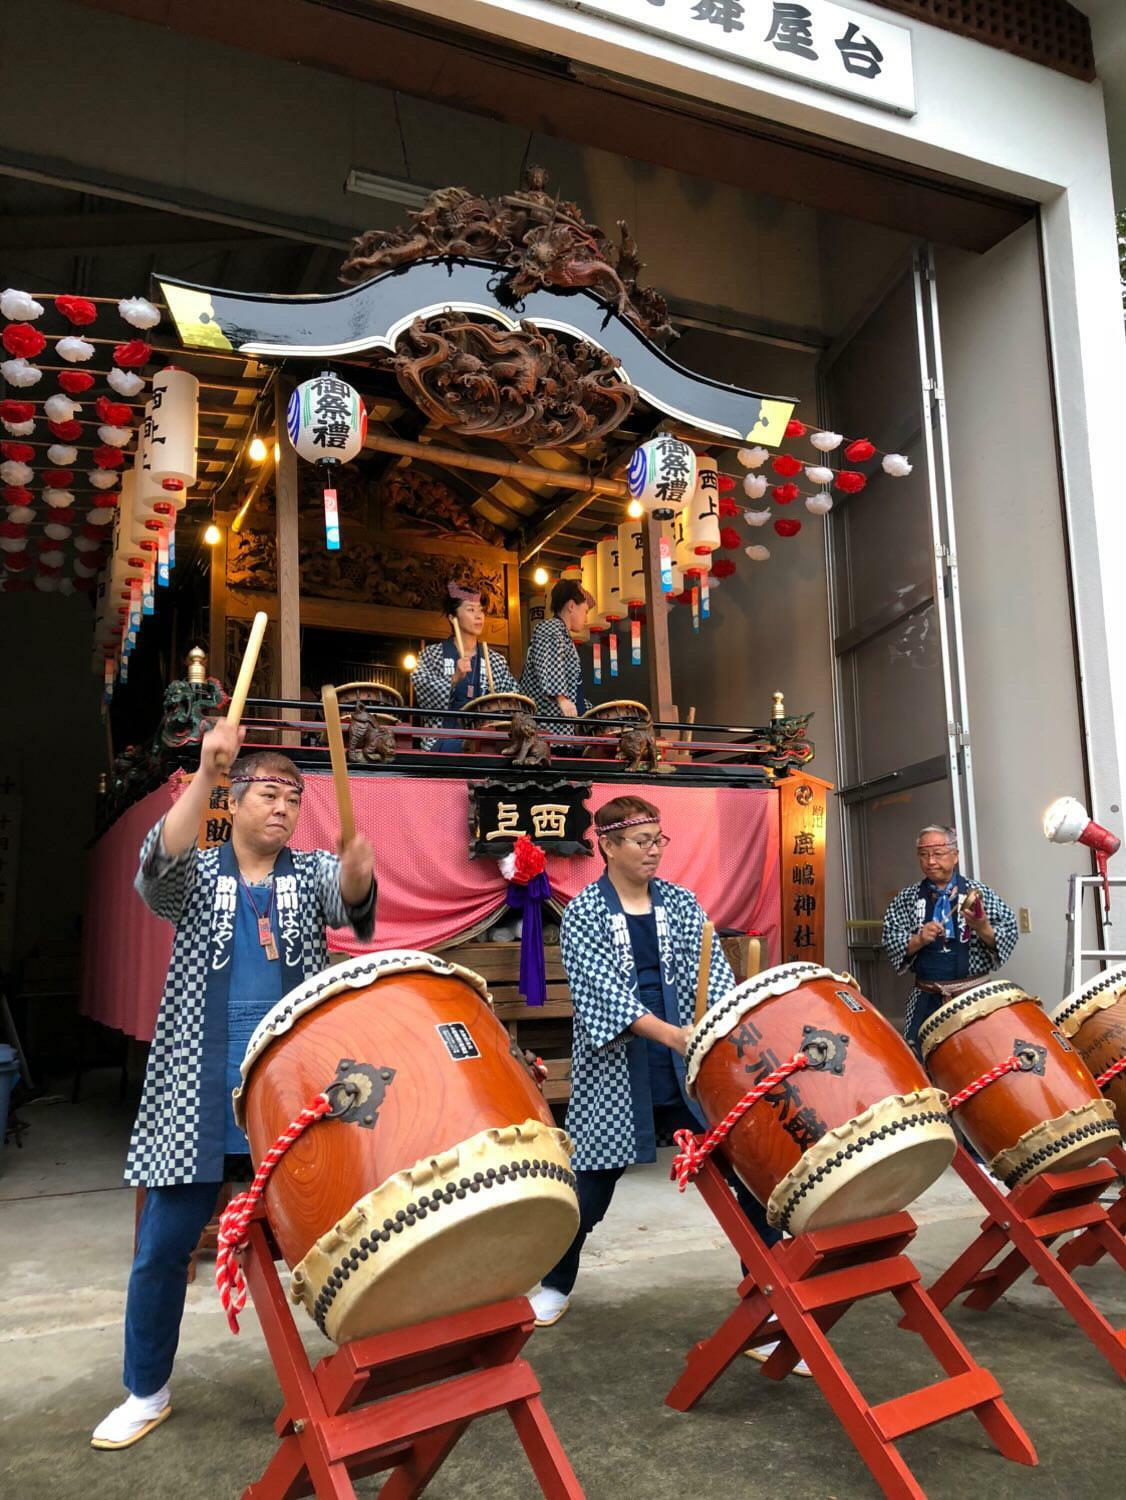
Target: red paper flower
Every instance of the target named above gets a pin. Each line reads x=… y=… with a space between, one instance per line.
x=530 y=861
x=66 y=432
x=58 y=479
x=728 y=539
x=19 y=453
x=849 y=482
x=860 y=451
x=17 y=494
x=725 y=483
x=108 y=458
x=18 y=586
x=86 y=585
x=18 y=561
x=76 y=310
x=786 y=465
x=723 y=567
x=13 y=528
x=63 y=517
x=115 y=413
x=133 y=355
x=50 y=569
x=794 y=428
x=728 y=507
x=785 y=494
x=95 y=533
x=74 y=382
x=17 y=411
x=684 y=598
x=24 y=341
x=784 y=526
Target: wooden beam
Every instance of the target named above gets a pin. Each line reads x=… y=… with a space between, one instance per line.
x=555 y=524
x=515 y=620
x=217 y=613
x=656 y=626
x=288 y=549
x=454 y=458
x=373 y=619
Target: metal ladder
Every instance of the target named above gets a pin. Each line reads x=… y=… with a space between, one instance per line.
x=1076 y=954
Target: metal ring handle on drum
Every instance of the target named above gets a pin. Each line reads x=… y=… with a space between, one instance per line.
x=348 y=1089
x=1030 y=1057
x=823 y=1050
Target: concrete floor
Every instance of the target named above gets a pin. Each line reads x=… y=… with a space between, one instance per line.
x=657 y=1278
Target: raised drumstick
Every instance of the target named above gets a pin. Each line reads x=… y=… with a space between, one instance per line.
x=246 y=672
x=488 y=667
x=706 y=939
x=340 y=781
x=458 y=642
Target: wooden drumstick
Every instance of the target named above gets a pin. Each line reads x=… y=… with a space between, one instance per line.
x=245 y=673
x=488 y=667
x=340 y=781
x=458 y=642
x=703 y=976
x=691 y=719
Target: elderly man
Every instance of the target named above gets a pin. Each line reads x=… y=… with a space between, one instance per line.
x=945 y=928
x=250 y=921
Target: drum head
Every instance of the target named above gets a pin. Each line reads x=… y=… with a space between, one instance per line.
x=1105 y=990
x=501 y=703
x=619 y=708
x=964 y=1009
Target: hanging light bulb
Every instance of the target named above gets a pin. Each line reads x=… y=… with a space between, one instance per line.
x=212 y=536
x=277 y=453
x=410 y=661
x=539 y=577
x=258 y=450
x=635 y=510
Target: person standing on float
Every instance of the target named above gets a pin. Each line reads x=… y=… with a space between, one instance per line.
x=250 y=919
x=449 y=679
x=553 y=674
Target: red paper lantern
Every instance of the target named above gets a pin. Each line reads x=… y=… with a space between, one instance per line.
x=78 y=311
x=66 y=432
x=784 y=526
x=849 y=482
x=722 y=567
x=17 y=494
x=115 y=413
x=728 y=538
x=24 y=341
x=785 y=494
x=860 y=451
x=794 y=428
x=106 y=457
x=74 y=382
x=133 y=355
x=58 y=479
x=786 y=465
x=16 y=411
x=20 y=453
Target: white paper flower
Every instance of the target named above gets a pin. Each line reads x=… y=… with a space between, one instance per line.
x=56 y=532
x=896 y=465
x=124 y=382
x=825 y=442
x=13 y=472
x=66 y=585
x=820 y=505
x=21 y=514
x=61 y=408
x=74 y=350
x=819 y=475
x=80 y=567
x=61 y=455
x=757 y=517
x=20 y=429
x=100 y=515
x=116 y=437
x=754 y=486
x=508 y=866
x=13 y=543
x=139 y=312
x=21 y=307
x=103 y=479
x=757 y=554
x=20 y=373
x=58 y=499
x=86 y=544
x=753 y=458
x=44 y=582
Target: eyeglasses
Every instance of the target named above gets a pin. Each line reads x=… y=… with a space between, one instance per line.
x=934 y=850
x=648 y=841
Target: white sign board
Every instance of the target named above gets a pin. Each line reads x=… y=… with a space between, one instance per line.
x=817 y=42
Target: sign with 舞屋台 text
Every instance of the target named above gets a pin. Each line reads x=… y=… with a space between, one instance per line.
x=823 y=43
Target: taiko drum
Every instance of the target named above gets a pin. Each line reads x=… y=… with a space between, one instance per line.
x=500 y=707
x=1048 y=1114
x=1093 y=1018
x=859 y=1132
x=439 y=1182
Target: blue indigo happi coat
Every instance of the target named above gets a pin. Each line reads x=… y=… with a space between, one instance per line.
x=610 y=1116
x=178 y=1132
x=552 y=669
x=433 y=681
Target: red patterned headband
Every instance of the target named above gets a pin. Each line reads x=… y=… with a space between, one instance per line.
x=601 y=828
x=272 y=781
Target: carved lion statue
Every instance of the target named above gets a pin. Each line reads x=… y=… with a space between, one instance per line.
x=369 y=740
x=638 y=748
x=526 y=747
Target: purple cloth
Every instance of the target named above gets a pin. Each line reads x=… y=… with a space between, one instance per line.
x=528 y=900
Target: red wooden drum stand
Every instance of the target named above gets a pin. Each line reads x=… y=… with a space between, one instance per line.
x=395 y=1401
x=795 y=1292
x=1025 y=1221
x=1090 y=1245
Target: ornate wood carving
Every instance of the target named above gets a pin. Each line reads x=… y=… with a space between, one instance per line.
x=416 y=501
x=529 y=386
x=540 y=240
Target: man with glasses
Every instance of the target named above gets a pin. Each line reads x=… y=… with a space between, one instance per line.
x=944 y=929
x=631 y=948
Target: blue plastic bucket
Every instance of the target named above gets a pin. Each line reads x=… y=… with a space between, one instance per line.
x=9 y=1072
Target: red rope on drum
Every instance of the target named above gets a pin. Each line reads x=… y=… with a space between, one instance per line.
x=1112 y=1072
x=695 y=1149
x=1010 y=1065
x=235 y=1218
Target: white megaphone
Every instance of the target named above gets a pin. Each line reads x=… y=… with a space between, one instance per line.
x=1068 y=822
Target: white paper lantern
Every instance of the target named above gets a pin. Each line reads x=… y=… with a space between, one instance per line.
x=631 y=563
x=125 y=382
x=589 y=567
x=151 y=507
x=572 y=572
x=170 y=431
x=61 y=455
x=701 y=526
x=662 y=474
x=609 y=596
x=20 y=373
x=326 y=420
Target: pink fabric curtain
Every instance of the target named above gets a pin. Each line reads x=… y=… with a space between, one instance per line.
x=724 y=848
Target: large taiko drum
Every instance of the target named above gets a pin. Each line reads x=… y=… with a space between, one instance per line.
x=1048 y=1115
x=440 y=1182
x=608 y=720
x=500 y=707
x=859 y=1132
x=1093 y=1018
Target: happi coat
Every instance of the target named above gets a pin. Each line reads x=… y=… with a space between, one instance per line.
x=610 y=1116
x=433 y=681
x=551 y=670
x=912 y=907
x=179 y=1129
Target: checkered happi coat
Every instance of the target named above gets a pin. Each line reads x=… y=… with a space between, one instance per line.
x=163 y=1150
x=905 y=916
x=603 y=981
x=552 y=670
x=433 y=680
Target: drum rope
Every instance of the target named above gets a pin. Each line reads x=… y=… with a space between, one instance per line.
x=1112 y=1072
x=695 y=1149
x=1010 y=1065
x=235 y=1218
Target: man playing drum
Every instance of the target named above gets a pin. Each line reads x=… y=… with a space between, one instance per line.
x=250 y=919
x=631 y=948
x=944 y=928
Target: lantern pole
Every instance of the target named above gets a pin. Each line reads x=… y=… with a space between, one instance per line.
x=657 y=625
x=288 y=556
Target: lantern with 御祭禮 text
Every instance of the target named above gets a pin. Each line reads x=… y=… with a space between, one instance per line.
x=662 y=475
x=327 y=424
